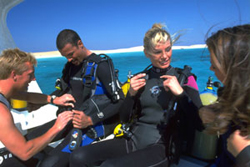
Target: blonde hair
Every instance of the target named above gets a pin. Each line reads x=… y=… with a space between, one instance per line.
x=14 y=60
x=156 y=35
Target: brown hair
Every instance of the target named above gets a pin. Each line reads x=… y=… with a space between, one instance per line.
x=231 y=47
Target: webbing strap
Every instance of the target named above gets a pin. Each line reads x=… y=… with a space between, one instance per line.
x=89 y=76
x=5 y=101
x=181 y=79
x=89 y=80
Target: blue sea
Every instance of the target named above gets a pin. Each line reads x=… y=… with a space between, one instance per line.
x=49 y=69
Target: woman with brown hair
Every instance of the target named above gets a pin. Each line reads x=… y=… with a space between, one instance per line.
x=230 y=116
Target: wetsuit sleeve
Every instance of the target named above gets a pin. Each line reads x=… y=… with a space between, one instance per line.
x=190 y=103
x=243 y=159
x=103 y=74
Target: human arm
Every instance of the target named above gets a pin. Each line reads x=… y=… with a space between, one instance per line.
x=83 y=119
x=189 y=101
x=38 y=98
x=17 y=144
x=171 y=83
x=239 y=147
x=137 y=84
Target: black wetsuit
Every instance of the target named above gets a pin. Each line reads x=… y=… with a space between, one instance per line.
x=146 y=147
x=75 y=84
x=243 y=158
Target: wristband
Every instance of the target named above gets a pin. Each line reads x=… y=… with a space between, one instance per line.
x=52 y=99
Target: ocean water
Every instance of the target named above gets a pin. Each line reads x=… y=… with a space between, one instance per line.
x=49 y=69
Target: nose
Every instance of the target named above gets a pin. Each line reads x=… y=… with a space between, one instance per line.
x=69 y=59
x=164 y=54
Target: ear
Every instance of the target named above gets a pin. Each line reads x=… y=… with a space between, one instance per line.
x=80 y=44
x=13 y=75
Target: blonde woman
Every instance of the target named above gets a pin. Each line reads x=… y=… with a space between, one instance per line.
x=147 y=100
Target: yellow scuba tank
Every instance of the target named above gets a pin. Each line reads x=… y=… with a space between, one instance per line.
x=208 y=96
x=120 y=128
x=126 y=85
x=204 y=146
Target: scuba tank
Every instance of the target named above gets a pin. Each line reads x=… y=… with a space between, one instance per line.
x=126 y=85
x=123 y=129
x=209 y=95
x=205 y=145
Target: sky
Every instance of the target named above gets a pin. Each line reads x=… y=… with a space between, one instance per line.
x=114 y=24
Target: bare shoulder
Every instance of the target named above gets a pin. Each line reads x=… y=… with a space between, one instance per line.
x=5 y=113
x=6 y=120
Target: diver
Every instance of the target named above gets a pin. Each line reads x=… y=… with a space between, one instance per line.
x=87 y=77
x=146 y=104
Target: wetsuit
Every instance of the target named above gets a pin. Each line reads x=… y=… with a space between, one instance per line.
x=7 y=159
x=225 y=158
x=243 y=158
x=147 y=146
x=72 y=80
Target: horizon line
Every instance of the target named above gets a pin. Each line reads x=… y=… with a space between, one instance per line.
x=49 y=54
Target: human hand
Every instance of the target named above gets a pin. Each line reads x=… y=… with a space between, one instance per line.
x=236 y=143
x=136 y=83
x=171 y=83
x=81 y=120
x=62 y=119
x=65 y=100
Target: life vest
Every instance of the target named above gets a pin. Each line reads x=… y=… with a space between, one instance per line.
x=92 y=85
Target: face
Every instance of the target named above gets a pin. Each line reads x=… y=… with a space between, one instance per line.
x=73 y=54
x=26 y=77
x=161 y=55
x=216 y=67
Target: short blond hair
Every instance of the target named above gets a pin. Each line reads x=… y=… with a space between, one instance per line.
x=14 y=60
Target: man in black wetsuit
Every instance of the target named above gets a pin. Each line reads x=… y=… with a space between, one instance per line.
x=71 y=47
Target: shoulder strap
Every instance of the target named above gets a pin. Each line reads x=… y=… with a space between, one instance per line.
x=90 y=80
x=115 y=87
x=89 y=76
x=182 y=78
x=4 y=101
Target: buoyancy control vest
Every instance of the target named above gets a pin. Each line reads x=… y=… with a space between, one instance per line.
x=93 y=88
x=92 y=85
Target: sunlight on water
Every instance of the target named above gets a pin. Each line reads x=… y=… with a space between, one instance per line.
x=49 y=69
